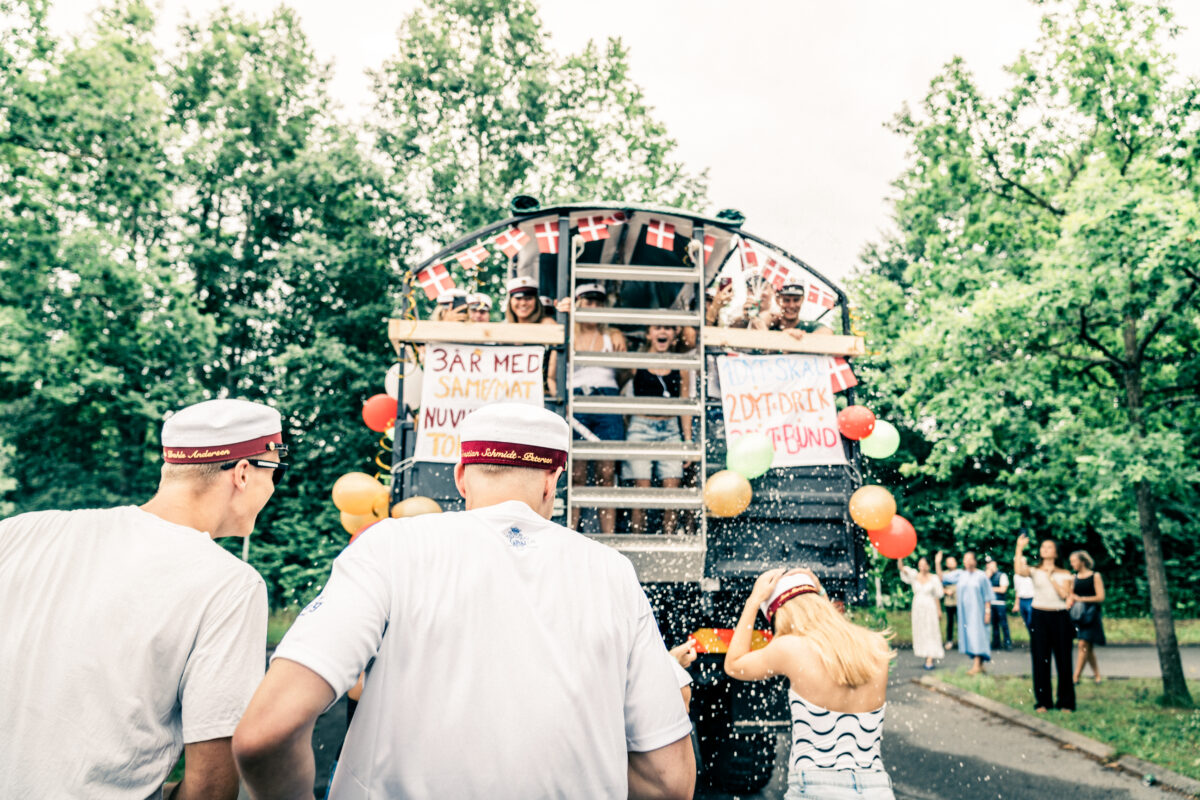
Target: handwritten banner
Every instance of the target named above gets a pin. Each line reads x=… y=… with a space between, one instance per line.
x=787 y=397
x=461 y=378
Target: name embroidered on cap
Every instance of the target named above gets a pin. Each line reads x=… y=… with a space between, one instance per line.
x=221 y=430
x=533 y=437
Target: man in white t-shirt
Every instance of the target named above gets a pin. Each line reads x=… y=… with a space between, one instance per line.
x=127 y=635
x=506 y=656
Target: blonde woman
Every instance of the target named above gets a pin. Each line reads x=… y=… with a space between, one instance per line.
x=842 y=670
x=524 y=306
x=1084 y=608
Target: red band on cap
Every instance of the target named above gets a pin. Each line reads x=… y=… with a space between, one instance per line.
x=513 y=455
x=222 y=452
x=795 y=591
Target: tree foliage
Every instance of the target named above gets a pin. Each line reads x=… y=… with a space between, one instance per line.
x=1039 y=306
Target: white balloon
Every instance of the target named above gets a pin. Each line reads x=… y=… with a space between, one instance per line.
x=391 y=382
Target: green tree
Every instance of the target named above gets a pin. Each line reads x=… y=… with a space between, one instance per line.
x=1040 y=301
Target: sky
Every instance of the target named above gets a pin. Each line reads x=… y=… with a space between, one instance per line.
x=785 y=102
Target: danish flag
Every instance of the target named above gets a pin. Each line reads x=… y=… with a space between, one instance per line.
x=615 y=218
x=435 y=280
x=749 y=257
x=710 y=241
x=822 y=297
x=547 y=236
x=660 y=234
x=776 y=273
x=841 y=376
x=511 y=241
x=592 y=229
x=472 y=258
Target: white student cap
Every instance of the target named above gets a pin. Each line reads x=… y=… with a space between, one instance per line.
x=479 y=299
x=789 y=586
x=522 y=283
x=221 y=430
x=447 y=297
x=590 y=288
x=792 y=288
x=514 y=435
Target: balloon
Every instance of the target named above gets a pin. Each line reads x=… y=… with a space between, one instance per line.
x=379 y=412
x=415 y=506
x=897 y=540
x=359 y=493
x=391 y=381
x=882 y=442
x=727 y=493
x=856 y=422
x=353 y=523
x=750 y=455
x=872 y=507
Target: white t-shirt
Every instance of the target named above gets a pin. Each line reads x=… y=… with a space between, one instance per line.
x=510 y=657
x=122 y=636
x=1023 y=585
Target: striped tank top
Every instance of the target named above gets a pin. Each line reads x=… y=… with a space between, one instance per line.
x=824 y=739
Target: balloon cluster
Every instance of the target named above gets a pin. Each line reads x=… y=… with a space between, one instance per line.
x=873 y=507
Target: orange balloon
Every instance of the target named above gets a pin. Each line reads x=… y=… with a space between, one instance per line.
x=872 y=507
x=353 y=523
x=727 y=493
x=358 y=493
x=415 y=506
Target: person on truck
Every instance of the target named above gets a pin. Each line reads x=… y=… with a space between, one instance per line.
x=665 y=383
x=506 y=656
x=790 y=299
x=524 y=306
x=479 y=307
x=842 y=670
x=451 y=306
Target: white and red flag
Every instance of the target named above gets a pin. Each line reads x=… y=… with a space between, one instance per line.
x=592 y=229
x=821 y=296
x=615 y=218
x=776 y=273
x=660 y=234
x=472 y=257
x=749 y=257
x=511 y=241
x=547 y=236
x=841 y=376
x=710 y=241
x=435 y=280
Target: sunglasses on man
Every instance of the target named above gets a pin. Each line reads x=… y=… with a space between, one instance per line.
x=277 y=467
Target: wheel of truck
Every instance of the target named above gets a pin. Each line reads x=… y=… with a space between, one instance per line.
x=730 y=761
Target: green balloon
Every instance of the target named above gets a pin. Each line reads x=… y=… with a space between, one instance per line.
x=750 y=455
x=882 y=442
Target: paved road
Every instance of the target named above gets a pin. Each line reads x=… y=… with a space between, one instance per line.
x=936 y=748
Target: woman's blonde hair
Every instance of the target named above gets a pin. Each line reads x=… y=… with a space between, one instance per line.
x=1086 y=558
x=852 y=654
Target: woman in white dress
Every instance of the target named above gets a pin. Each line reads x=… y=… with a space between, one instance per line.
x=926 y=610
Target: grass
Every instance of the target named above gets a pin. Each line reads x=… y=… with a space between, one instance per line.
x=1135 y=630
x=278 y=623
x=1123 y=713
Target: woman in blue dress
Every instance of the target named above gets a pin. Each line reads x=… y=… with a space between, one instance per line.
x=975 y=598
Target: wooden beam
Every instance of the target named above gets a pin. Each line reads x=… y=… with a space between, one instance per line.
x=782 y=341
x=401 y=331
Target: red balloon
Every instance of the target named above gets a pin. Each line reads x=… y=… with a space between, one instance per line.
x=856 y=422
x=379 y=412
x=898 y=540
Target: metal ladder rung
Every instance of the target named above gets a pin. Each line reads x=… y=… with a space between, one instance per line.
x=646 y=406
x=637 y=316
x=633 y=272
x=622 y=450
x=591 y=358
x=660 y=557
x=621 y=497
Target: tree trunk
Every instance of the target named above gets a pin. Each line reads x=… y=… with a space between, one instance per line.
x=1175 y=690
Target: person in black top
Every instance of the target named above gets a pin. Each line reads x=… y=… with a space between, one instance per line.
x=1084 y=605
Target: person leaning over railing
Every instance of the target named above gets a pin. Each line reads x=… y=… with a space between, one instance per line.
x=790 y=299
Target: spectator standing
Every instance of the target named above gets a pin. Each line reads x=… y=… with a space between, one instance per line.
x=841 y=668
x=975 y=600
x=128 y=635
x=949 y=580
x=1050 y=626
x=1001 y=637
x=1084 y=606
x=926 y=610
x=506 y=656
x=1023 y=602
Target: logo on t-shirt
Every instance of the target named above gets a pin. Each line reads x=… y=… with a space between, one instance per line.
x=515 y=537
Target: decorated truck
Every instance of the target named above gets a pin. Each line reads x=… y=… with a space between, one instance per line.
x=746 y=383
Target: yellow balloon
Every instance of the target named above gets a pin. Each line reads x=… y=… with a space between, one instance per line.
x=415 y=506
x=872 y=507
x=353 y=523
x=358 y=493
x=727 y=493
